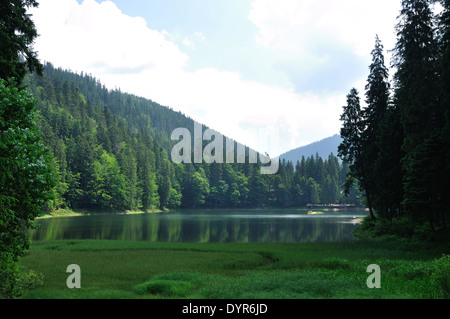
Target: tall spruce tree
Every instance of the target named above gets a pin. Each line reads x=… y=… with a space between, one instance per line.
x=389 y=181
x=377 y=100
x=416 y=95
x=444 y=97
x=351 y=148
x=377 y=94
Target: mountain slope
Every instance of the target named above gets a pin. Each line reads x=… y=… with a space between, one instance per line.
x=111 y=150
x=323 y=147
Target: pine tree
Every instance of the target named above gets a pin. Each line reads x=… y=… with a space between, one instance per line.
x=147 y=180
x=128 y=164
x=377 y=100
x=416 y=95
x=416 y=76
x=351 y=148
x=389 y=181
x=377 y=94
x=17 y=34
x=258 y=189
x=444 y=98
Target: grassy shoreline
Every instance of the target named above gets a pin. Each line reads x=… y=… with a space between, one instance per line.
x=149 y=270
x=71 y=212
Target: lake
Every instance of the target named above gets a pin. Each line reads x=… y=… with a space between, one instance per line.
x=286 y=226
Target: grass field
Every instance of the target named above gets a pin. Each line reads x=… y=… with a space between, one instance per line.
x=131 y=270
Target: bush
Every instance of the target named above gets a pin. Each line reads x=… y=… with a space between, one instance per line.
x=13 y=283
x=365 y=229
x=168 y=288
x=173 y=285
x=31 y=280
x=401 y=227
x=440 y=277
x=9 y=277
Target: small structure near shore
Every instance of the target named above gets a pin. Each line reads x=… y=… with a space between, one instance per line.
x=334 y=206
x=315 y=213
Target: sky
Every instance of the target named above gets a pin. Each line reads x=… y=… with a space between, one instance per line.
x=271 y=74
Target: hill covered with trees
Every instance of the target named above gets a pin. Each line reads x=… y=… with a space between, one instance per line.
x=111 y=150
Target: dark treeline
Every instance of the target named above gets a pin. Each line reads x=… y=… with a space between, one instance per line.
x=398 y=146
x=111 y=150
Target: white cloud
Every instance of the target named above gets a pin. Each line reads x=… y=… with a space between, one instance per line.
x=188 y=43
x=125 y=52
x=99 y=38
x=296 y=27
x=192 y=41
x=324 y=46
x=200 y=36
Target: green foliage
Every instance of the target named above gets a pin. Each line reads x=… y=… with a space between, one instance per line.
x=441 y=277
x=31 y=280
x=9 y=276
x=26 y=177
x=401 y=226
x=108 y=182
x=14 y=283
x=165 y=287
x=351 y=149
x=175 y=198
x=17 y=33
x=200 y=187
x=26 y=180
x=421 y=113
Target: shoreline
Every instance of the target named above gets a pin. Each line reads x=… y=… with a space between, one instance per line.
x=84 y=212
x=71 y=213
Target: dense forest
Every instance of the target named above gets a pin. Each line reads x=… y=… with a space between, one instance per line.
x=111 y=150
x=398 y=146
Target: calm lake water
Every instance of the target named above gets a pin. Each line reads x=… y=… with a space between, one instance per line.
x=205 y=226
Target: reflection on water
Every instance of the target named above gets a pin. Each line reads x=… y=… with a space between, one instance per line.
x=204 y=226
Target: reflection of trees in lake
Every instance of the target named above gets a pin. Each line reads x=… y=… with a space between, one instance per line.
x=194 y=228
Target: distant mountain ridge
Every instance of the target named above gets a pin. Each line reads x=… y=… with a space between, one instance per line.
x=323 y=147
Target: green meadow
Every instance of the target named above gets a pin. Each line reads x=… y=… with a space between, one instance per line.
x=140 y=270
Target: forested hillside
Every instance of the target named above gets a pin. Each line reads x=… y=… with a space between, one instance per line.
x=111 y=151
